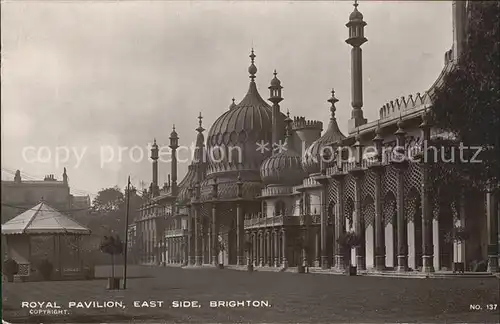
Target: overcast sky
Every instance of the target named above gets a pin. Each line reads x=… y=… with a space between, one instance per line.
x=96 y=74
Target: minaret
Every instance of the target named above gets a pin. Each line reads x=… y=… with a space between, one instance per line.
x=199 y=155
x=275 y=98
x=356 y=38
x=65 y=177
x=174 y=144
x=154 y=157
x=459 y=19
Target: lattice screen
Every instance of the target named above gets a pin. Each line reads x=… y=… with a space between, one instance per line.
x=348 y=208
x=413 y=178
x=349 y=188
x=368 y=186
x=389 y=209
x=390 y=180
x=454 y=211
x=435 y=208
x=332 y=191
x=368 y=211
x=412 y=205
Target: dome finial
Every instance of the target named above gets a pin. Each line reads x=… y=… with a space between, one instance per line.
x=333 y=100
x=233 y=104
x=252 y=69
x=355 y=4
x=288 y=124
x=200 y=127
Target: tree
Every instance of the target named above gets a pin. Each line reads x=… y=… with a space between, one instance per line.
x=108 y=200
x=112 y=246
x=467 y=102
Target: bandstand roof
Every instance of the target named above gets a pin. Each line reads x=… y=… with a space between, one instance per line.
x=43 y=219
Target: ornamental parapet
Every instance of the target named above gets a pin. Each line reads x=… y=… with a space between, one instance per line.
x=276 y=191
x=279 y=220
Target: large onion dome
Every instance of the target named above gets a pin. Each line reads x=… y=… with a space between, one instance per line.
x=285 y=167
x=333 y=135
x=232 y=140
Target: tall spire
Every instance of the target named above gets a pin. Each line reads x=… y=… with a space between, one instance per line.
x=252 y=69
x=288 y=125
x=333 y=101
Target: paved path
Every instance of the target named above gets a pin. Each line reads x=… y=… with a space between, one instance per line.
x=293 y=298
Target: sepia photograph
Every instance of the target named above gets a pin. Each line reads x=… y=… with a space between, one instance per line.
x=265 y=161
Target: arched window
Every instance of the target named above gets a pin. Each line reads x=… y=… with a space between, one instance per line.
x=308 y=204
x=279 y=208
x=264 y=209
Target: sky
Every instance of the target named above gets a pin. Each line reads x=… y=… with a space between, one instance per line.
x=84 y=81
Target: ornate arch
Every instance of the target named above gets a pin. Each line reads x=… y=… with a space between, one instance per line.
x=279 y=208
x=350 y=188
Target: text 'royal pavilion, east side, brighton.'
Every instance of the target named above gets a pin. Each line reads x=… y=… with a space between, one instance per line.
x=256 y=206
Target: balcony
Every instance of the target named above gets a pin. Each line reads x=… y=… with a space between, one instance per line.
x=176 y=232
x=273 y=221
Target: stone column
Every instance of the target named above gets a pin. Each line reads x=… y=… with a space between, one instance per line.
x=192 y=237
x=359 y=222
x=427 y=210
x=254 y=248
x=339 y=220
x=402 y=226
x=268 y=239
x=276 y=248
x=215 y=234
x=284 y=247
x=317 y=234
x=324 y=225
x=379 y=222
x=492 y=218
x=240 y=232
x=248 y=251
x=197 y=245
x=261 y=249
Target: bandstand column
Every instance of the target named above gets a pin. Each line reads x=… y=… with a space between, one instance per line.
x=276 y=248
x=492 y=219
x=427 y=210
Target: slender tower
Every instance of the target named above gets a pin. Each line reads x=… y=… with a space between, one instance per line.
x=154 y=157
x=174 y=144
x=275 y=98
x=356 y=38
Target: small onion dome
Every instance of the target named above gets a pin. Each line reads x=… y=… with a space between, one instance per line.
x=333 y=135
x=174 y=133
x=275 y=82
x=356 y=15
x=284 y=168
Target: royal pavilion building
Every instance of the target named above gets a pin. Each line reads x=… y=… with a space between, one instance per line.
x=275 y=191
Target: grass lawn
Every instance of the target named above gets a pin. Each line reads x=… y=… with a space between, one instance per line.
x=304 y=298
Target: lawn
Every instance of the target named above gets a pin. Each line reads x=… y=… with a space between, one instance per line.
x=290 y=297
